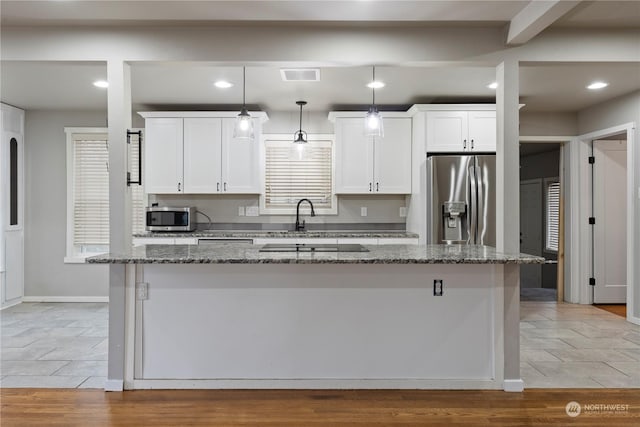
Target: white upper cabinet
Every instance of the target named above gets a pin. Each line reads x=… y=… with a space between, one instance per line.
x=354 y=157
x=367 y=165
x=460 y=131
x=392 y=165
x=240 y=160
x=197 y=154
x=202 y=148
x=163 y=156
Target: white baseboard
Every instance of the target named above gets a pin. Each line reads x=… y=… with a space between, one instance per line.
x=515 y=386
x=65 y=299
x=113 y=385
x=11 y=304
x=632 y=319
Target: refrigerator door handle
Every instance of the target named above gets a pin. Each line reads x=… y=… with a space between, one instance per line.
x=473 y=204
x=481 y=208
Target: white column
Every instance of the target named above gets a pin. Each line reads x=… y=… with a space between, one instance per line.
x=119 y=120
x=508 y=213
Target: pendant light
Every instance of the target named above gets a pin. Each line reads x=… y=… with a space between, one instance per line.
x=373 y=120
x=244 y=124
x=300 y=149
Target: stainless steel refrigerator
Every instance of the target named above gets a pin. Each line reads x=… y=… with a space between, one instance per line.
x=461 y=199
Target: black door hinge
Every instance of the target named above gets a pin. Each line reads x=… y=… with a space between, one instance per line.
x=592 y=160
x=592 y=281
x=592 y=220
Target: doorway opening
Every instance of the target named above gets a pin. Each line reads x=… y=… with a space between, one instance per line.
x=540 y=219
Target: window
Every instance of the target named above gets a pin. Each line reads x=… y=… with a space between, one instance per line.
x=88 y=192
x=552 y=220
x=287 y=179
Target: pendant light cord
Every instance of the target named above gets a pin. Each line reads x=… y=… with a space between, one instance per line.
x=373 y=89
x=300 y=130
x=244 y=84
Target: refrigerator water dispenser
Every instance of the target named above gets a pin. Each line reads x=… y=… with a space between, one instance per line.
x=453 y=215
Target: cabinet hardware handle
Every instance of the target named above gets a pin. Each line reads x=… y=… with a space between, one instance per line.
x=178 y=186
x=464 y=144
x=472 y=144
x=217 y=186
x=377 y=186
x=225 y=186
x=370 y=186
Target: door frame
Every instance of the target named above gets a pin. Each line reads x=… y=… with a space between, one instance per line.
x=579 y=217
x=569 y=266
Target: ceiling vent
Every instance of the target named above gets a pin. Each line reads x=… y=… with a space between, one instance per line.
x=300 y=74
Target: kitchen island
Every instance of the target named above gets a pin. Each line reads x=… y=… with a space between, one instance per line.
x=229 y=316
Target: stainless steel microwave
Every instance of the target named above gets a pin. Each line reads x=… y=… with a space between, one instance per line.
x=170 y=219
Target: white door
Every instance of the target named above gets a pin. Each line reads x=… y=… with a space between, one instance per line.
x=610 y=203
x=392 y=166
x=446 y=131
x=13 y=216
x=202 y=155
x=482 y=131
x=163 y=155
x=531 y=216
x=240 y=162
x=354 y=157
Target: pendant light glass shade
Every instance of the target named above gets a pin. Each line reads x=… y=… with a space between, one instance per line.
x=373 y=121
x=244 y=123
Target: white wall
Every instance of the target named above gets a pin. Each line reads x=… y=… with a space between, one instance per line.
x=46 y=204
x=548 y=124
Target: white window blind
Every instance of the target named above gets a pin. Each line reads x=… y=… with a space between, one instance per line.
x=288 y=180
x=553 y=215
x=90 y=190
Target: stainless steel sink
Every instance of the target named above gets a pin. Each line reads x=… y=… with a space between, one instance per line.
x=312 y=247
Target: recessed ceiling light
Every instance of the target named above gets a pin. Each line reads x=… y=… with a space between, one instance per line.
x=223 y=84
x=493 y=85
x=101 y=84
x=597 y=85
x=376 y=84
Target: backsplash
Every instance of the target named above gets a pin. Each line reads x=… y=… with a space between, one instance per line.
x=224 y=209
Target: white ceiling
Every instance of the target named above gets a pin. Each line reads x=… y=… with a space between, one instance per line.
x=50 y=85
x=551 y=88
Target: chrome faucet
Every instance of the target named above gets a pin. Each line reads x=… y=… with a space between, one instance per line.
x=300 y=227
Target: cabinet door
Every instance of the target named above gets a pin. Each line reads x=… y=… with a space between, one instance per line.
x=354 y=157
x=446 y=131
x=482 y=131
x=240 y=162
x=163 y=155
x=202 y=148
x=392 y=166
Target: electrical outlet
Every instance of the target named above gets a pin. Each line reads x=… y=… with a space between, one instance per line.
x=252 y=211
x=240 y=210
x=403 y=212
x=363 y=211
x=142 y=291
x=438 y=287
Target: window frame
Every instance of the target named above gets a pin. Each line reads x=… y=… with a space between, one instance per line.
x=73 y=253
x=263 y=209
x=546 y=182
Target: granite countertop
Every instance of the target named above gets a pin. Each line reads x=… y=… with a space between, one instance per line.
x=245 y=253
x=223 y=234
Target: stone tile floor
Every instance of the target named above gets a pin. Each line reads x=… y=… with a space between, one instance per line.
x=570 y=345
x=54 y=345
x=562 y=346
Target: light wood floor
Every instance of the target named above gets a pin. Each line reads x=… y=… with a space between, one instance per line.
x=619 y=309
x=69 y=407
